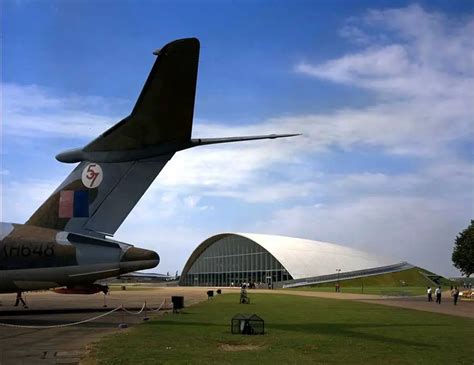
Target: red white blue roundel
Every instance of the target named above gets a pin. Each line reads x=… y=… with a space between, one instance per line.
x=92 y=175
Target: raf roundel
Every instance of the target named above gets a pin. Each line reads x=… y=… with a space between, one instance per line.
x=92 y=175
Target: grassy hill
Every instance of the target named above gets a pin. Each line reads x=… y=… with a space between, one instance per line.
x=408 y=282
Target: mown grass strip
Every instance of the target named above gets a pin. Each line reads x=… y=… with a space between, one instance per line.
x=299 y=330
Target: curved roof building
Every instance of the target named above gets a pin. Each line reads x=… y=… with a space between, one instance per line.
x=229 y=258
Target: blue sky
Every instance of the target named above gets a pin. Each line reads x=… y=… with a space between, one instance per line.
x=381 y=90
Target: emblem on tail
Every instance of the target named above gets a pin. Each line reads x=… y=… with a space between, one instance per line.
x=92 y=175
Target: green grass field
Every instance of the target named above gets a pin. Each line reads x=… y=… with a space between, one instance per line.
x=385 y=290
x=299 y=330
x=404 y=283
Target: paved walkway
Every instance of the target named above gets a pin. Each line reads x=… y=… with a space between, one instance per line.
x=462 y=309
x=68 y=345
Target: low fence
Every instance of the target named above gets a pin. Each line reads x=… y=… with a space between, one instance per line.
x=144 y=309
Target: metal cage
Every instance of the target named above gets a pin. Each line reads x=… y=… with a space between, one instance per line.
x=247 y=324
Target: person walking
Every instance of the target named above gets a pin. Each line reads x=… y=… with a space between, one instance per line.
x=438 y=294
x=244 y=299
x=455 y=294
x=430 y=296
x=20 y=299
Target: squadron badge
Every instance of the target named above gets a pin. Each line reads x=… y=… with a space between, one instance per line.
x=92 y=175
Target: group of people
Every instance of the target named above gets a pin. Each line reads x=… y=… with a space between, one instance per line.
x=251 y=285
x=438 y=292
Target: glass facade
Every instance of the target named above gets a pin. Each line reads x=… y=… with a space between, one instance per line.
x=234 y=259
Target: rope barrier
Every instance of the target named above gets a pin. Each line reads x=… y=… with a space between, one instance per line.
x=121 y=307
x=134 y=313
x=161 y=306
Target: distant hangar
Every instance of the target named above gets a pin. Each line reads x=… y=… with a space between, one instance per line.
x=280 y=261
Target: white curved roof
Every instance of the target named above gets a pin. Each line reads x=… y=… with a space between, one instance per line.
x=305 y=258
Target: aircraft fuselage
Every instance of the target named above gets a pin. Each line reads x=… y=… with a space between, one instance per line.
x=33 y=258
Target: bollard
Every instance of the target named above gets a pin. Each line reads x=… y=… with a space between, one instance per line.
x=123 y=324
x=145 y=318
x=178 y=303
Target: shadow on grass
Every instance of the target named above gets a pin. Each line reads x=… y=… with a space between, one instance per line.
x=330 y=329
x=351 y=331
x=160 y=323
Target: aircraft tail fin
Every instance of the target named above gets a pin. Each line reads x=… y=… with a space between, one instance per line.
x=114 y=172
x=117 y=167
x=164 y=110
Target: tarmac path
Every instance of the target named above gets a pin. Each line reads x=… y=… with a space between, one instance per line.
x=67 y=345
x=464 y=308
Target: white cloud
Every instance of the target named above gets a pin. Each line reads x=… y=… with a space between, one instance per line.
x=421 y=66
x=413 y=127
x=417 y=230
x=434 y=38
x=19 y=199
x=430 y=55
x=354 y=34
x=275 y=192
x=370 y=67
x=35 y=111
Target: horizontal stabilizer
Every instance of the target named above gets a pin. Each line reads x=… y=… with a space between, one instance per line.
x=204 y=141
x=78 y=154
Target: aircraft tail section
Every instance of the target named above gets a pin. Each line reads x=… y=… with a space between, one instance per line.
x=116 y=168
x=96 y=198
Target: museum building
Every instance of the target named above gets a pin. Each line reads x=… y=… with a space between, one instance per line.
x=233 y=258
